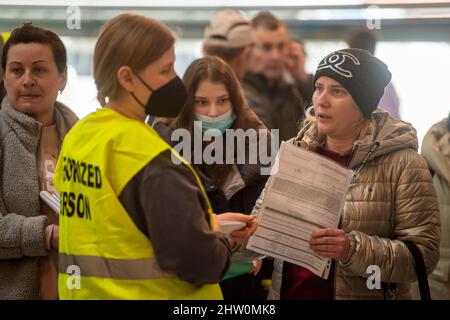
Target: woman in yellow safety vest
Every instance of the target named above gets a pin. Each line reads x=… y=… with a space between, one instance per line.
x=133 y=223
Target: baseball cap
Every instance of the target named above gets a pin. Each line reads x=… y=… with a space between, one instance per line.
x=229 y=28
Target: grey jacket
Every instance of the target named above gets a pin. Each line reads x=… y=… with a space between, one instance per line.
x=21 y=222
x=436 y=150
x=391 y=199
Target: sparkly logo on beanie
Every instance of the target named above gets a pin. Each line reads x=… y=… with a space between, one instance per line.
x=335 y=61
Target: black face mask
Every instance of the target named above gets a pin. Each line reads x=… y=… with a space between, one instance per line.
x=166 y=101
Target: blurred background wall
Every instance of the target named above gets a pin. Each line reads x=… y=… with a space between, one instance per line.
x=414 y=39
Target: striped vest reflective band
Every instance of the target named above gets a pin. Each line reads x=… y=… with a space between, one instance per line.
x=103 y=255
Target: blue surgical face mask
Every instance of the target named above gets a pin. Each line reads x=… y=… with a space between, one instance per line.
x=220 y=123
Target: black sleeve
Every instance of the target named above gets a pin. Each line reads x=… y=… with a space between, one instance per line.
x=166 y=204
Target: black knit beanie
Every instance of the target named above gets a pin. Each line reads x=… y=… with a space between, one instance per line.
x=363 y=75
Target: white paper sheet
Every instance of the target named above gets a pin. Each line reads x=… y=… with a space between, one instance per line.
x=306 y=191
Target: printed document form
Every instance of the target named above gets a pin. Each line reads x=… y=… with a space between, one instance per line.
x=306 y=191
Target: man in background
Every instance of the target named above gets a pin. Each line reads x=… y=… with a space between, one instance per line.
x=229 y=36
x=295 y=66
x=278 y=103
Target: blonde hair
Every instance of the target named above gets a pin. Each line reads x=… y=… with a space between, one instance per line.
x=127 y=40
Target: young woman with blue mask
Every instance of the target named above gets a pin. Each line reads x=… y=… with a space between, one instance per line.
x=213 y=126
x=216 y=103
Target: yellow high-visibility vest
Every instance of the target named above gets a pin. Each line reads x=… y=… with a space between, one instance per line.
x=5 y=36
x=103 y=254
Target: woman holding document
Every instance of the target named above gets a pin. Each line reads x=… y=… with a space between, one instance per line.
x=391 y=197
x=33 y=125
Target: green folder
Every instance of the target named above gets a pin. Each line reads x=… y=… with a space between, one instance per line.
x=238 y=269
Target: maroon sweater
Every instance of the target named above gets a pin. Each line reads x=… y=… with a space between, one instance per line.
x=298 y=282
